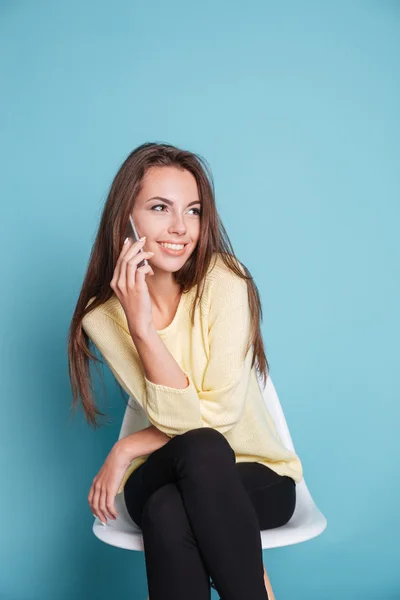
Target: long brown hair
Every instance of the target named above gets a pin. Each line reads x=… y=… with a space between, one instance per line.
x=124 y=189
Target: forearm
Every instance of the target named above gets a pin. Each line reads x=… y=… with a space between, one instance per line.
x=142 y=442
x=159 y=365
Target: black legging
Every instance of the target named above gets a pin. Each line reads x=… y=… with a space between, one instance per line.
x=201 y=514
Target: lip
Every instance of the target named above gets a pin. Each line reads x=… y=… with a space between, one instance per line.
x=167 y=242
x=172 y=252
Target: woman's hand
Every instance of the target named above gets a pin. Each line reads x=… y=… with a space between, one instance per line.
x=129 y=285
x=106 y=484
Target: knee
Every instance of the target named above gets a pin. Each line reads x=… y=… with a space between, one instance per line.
x=205 y=444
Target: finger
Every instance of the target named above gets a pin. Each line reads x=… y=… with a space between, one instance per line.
x=90 y=496
x=110 y=503
x=141 y=275
x=131 y=267
x=144 y=269
x=102 y=514
x=131 y=247
x=125 y=247
x=103 y=504
x=93 y=504
x=96 y=508
x=133 y=254
x=117 y=269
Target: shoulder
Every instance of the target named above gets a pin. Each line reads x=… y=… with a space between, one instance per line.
x=101 y=309
x=109 y=313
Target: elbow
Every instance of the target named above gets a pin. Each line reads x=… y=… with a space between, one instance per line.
x=168 y=430
x=169 y=427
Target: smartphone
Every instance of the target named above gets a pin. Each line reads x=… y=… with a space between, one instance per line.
x=133 y=234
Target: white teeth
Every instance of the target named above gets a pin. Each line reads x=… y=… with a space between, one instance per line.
x=173 y=246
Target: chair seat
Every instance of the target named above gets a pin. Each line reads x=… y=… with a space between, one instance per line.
x=307 y=522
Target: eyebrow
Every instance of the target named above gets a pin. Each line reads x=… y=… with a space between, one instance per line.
x=170 y=201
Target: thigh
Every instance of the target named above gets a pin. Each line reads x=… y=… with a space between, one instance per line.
x=156 y=472
x=160 y=468
x=273 y=496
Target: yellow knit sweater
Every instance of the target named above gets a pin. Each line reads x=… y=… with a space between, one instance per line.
x=223 y=391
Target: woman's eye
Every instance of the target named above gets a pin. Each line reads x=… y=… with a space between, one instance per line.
x=165 y=206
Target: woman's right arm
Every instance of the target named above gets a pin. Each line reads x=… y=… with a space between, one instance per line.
x=143 y=442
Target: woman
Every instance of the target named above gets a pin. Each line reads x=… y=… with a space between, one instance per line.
x=209 y=472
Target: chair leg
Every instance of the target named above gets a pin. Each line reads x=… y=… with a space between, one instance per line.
x=268 y=586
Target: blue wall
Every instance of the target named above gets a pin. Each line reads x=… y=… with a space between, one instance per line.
x=295 y=107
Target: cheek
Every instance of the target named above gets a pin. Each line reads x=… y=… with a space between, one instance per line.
x=194 y=229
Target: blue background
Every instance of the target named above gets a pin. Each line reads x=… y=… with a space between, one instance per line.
x=295 y=105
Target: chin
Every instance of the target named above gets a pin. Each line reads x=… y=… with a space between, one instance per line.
x=170 y=266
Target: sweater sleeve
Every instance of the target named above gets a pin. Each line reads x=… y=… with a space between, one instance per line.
x=226 y=378
x=220 y=402
x=172 y=410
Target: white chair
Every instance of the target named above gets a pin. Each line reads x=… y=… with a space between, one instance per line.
x=306 y=522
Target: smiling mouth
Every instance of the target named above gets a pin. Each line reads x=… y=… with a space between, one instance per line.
x=161 y=243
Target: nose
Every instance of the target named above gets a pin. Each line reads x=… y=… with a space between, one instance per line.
x=177 y=225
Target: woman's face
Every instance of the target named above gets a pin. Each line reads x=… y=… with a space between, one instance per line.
x=167 y=210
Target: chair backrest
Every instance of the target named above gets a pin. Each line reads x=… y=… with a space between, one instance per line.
x=275 y=409
x=136 y=419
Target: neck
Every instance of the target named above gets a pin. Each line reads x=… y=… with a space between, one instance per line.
x=163 y=290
